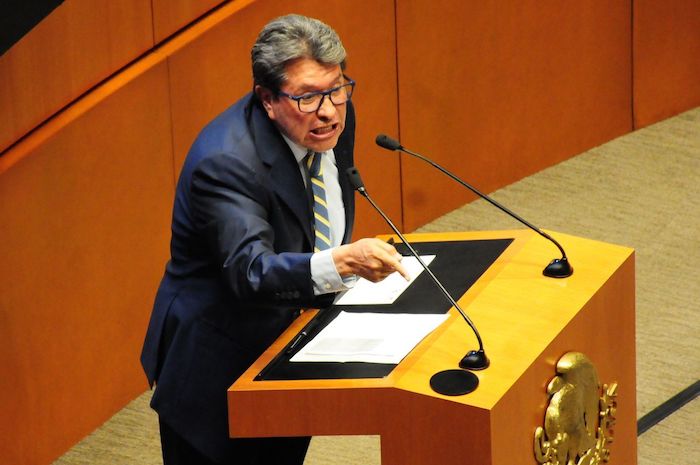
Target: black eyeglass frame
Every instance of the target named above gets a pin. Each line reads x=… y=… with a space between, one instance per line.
x=323 y=94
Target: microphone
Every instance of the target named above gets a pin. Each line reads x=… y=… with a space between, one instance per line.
x=448 y=382
x=557 y=268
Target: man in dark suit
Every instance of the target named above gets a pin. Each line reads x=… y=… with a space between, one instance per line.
x=248 y=248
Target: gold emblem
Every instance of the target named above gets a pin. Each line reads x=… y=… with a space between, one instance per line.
x=580 y=416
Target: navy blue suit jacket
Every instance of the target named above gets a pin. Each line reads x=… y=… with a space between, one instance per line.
x=239 y=269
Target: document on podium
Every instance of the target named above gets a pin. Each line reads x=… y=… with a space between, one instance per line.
x=384 y=292
x=369 y=337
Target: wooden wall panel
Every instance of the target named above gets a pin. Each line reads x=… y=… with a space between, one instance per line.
x=212 y=71
x=79 y=44
x=84 y=215
x=666 y=59
x=496 y=91
x=171 y=15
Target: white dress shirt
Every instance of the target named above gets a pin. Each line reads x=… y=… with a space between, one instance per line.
x=324 y=275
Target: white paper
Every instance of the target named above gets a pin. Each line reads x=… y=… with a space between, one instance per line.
x=369 y=337
x=366 y=292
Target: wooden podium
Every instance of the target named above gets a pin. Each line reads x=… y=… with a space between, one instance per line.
x=527 y=322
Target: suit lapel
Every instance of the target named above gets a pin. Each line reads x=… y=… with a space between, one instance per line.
x=284 y=171
x=344 y=159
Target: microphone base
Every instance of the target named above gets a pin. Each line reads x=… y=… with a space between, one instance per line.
x=558 y=268
x=475 y=360
x=454 y=382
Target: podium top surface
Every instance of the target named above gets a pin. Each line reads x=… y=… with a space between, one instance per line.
x=517 y=310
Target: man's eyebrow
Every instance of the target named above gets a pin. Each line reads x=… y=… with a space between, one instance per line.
x=310 y=88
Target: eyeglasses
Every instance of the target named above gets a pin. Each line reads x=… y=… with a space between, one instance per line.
x=311 y=102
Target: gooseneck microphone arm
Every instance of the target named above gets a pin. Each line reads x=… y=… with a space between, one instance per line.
x=475 y=359
x=558 y=268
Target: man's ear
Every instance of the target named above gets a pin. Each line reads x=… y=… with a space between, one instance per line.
x=265 y=96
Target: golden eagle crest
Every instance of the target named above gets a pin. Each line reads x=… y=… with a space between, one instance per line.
x=579 y=418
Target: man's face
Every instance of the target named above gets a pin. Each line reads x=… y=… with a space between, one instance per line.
x=317 y=131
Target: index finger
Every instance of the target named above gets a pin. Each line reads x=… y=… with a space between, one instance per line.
x=395 y=262
x=394 y=258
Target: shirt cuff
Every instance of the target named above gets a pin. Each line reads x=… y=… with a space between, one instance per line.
x=324 y=275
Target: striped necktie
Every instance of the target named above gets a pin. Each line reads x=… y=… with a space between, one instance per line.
x=322 y=225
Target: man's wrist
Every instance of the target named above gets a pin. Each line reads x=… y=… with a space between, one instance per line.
x=325 y=274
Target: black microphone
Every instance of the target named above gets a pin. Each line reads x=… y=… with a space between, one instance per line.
x=557 y=268
x=449 y=382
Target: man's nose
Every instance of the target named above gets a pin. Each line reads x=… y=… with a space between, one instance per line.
x=327 y=109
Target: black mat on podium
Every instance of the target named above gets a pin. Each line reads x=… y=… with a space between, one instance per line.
x=457 y=264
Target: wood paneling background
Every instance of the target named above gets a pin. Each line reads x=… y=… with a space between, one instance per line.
x=666 y=51
x=84 y=232
x=78 y=45
x=87 y=171
x=496 y=91
x=169 y=16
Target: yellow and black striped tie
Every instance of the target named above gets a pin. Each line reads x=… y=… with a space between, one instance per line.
x=322 y=224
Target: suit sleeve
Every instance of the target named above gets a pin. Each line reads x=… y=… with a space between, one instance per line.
x=238 y=215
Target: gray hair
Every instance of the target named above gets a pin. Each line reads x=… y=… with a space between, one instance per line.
x=288 y=38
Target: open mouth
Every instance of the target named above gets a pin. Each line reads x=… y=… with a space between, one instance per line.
x=324 y=130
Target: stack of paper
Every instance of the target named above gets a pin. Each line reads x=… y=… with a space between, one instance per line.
x=369 y=337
